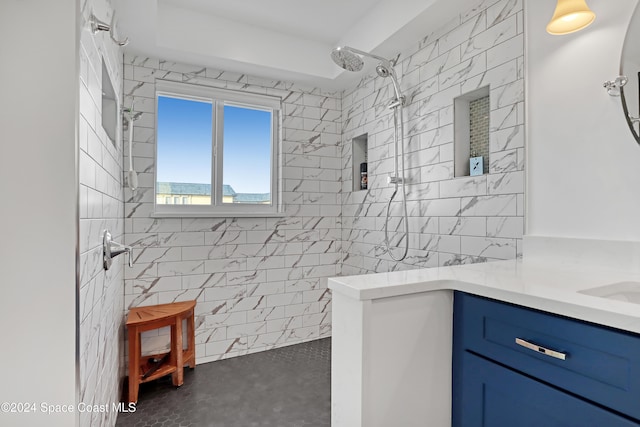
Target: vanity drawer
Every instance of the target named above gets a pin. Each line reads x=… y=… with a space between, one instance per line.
x=600 y=364
x=498 y=397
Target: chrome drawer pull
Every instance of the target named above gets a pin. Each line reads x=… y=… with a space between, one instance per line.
x=538 y=349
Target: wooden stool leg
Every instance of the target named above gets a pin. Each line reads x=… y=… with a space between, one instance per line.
x=191 y=337
x=176 y=352
x=148 y=318
x=134 y=364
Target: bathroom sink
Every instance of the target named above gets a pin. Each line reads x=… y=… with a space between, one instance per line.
x=621 y=291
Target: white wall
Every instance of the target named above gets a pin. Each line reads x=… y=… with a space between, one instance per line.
x=583 y=178
x=38 y=116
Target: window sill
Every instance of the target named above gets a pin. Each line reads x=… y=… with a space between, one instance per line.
x=217 y=215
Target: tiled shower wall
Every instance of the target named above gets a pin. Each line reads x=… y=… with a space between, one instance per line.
x=259 y=282
x=101 y=207
x=451 y=220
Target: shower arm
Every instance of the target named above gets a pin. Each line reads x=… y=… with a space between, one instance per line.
x=370 y=55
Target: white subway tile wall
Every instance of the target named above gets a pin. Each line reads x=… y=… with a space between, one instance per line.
x=101 y=207
x=260 y=283
x=451 y=220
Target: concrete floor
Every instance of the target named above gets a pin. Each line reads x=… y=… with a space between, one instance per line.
x=285 y=387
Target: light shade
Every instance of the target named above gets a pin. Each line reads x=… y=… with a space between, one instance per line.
x=570 y=16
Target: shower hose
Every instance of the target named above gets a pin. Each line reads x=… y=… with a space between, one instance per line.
x=398 y=138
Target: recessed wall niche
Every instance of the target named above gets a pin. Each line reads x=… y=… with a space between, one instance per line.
x=471 y=130
x=359 y=146
x=109 y=106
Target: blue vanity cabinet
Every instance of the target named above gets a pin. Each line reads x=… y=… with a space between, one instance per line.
x=494 y=396
x=514 y=366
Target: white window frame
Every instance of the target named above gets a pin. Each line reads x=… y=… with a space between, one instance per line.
x=219 y=98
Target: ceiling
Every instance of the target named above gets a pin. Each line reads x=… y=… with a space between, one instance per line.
x=279 y=39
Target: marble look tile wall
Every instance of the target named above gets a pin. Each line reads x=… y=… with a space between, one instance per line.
x=260 y=283
x=451 y=220
x=101 y=207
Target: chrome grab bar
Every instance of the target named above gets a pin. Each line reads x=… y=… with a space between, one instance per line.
x=111 y=249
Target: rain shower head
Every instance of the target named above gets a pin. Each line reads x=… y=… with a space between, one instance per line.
x=344 y=57
x=351 y=60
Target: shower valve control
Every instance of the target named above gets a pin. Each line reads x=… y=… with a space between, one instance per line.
x=111 y=249
x=393 y=180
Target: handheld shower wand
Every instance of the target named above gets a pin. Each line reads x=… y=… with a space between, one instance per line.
x=350 y=59
x=132 y=176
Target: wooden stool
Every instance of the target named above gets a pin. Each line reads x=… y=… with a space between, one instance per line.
x=149 y=368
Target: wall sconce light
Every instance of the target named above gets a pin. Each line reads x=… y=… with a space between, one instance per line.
x=570 y=16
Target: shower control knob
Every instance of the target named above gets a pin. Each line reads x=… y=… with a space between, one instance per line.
x=393 y=180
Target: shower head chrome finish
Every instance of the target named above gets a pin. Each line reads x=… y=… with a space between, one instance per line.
x=347 y=59
x=382 y=70
x=350 y=58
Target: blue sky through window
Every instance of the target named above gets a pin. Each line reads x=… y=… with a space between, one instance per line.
x=184 y=140
x=185 y=144
x=247 y=149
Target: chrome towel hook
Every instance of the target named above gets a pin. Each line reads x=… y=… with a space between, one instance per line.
x=98 y=25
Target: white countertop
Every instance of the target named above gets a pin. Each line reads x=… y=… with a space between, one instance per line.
x=543 y=286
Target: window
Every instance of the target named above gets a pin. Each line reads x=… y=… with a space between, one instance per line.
x=216 y=151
